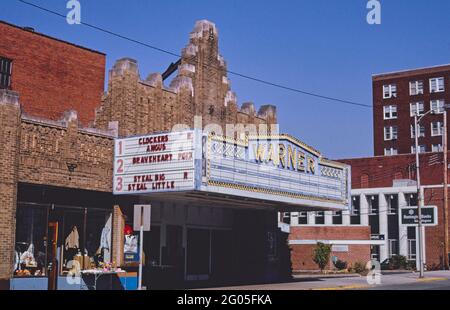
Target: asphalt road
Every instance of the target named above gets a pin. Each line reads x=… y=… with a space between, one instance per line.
x=436 y=280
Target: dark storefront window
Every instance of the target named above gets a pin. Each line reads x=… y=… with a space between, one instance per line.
x=30 y=255
x=198 y=252
x=5 y=72
x=84 y=236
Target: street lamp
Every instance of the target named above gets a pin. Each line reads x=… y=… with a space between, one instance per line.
x=417 y=120
x=445 y=187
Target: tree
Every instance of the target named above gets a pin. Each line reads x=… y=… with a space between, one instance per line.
x=322 y=255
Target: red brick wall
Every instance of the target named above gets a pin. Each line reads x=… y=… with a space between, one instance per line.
x=404 y=120
x=434 y=235
x=382 y=170
x=52 y=76
x=302 y=255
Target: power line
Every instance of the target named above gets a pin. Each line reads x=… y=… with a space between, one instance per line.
x=255 y=79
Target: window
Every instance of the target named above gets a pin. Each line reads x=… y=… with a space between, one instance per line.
x=437 y=85
x=416 y=107
x=422 y=149
x=5 y=72
x=390 y=133
x=437 y=106
x=411 y=200
x=416 y=88
x=392 y=202
x=437 y=148
x=421 y=131
x=437 y=129
x=355 y=219
x=80 y=230
x=286 y=218
x=389 y=91
x=373 y=204
x=337 y=218
x=393 y=247
x=320 y=217
x=411 y=237
x=390 y=151
x=303 y=218
x=390 y=112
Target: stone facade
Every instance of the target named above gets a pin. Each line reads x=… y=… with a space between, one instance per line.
x=9 y=155
x=62 y=152
x=201 y=88
x=50 y=153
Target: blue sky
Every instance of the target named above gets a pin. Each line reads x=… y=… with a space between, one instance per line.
x=321 y=46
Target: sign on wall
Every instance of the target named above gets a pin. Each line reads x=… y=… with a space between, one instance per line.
x=410 y=216
x=154 y=163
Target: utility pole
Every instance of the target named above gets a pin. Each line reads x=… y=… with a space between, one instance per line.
x=419 y=195
x=445 y=138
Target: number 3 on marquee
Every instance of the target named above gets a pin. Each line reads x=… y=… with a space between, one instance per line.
x=119 y=185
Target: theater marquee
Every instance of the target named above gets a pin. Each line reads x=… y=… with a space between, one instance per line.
x=275 y=168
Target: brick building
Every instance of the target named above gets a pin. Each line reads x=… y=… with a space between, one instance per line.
x=372 y=229
x=57 y=203
x=51 y=75
x=397 y=96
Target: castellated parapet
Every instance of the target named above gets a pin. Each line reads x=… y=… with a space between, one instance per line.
x=200 y=88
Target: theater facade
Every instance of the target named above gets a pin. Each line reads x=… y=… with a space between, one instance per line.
x=69 y=189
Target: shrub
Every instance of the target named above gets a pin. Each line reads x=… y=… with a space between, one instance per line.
x=340 y=265
x=359 y=267
x=322 y=255
x=398 y=262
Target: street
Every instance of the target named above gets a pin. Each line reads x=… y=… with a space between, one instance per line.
x=435 y=280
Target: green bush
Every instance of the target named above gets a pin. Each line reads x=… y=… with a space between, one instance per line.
x=359 y=267
x=398 y=262
x=322 y=255
x=340 y=265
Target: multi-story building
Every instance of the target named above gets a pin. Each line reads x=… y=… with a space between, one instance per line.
x=397 y=97
x=372 y=229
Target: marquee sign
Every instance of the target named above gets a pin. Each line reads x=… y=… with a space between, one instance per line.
x=276 y=168
x=154 y=163
x=279 y=168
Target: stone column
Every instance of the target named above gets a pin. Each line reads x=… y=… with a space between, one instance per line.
x=346 y=218
x=117 y=237
x=403 y=230
x=10 y=124
x=383 y=218
x=328 y=218
x=311 y=218
x=364 y=210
